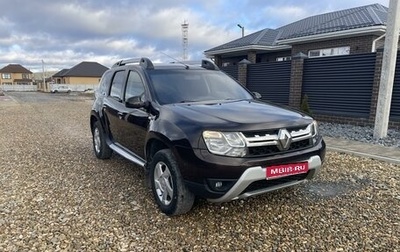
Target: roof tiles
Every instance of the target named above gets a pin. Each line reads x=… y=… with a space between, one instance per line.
x=83 y=69
x=14 y=68
x=359 y=17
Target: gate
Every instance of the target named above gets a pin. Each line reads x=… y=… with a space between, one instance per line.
x=232 y=71
x=340 y=85
x=271 y=80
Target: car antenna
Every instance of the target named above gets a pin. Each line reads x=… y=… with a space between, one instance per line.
x=175 y=60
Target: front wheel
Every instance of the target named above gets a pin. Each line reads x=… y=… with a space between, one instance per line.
x=170 y=193
x=101 y=149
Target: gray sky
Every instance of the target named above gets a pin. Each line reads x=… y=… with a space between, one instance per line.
x=64 y=33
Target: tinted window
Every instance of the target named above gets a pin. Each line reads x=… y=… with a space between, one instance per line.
x=117 y=85
x=104 y=82
x=192 y=86
x=134 y=86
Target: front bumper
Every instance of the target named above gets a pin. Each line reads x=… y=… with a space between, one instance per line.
x=242 y=177
x=258 y=173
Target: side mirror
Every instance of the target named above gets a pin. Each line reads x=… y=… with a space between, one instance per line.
x=136 y=102
x=257 y=95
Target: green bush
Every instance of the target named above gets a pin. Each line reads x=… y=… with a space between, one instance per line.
x=304 y=105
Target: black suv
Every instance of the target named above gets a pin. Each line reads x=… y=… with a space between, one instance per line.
x=198 y=132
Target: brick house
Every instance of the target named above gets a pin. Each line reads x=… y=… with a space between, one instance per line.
x=351 y=31
x=15 y=74
x=84 y=73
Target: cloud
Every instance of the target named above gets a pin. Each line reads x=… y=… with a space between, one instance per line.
x=64 y=33
x=282 y=15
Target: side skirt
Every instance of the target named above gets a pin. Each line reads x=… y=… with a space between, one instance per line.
x=128 y=155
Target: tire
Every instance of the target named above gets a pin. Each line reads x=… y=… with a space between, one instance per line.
x=100 y=147
x=170 y=193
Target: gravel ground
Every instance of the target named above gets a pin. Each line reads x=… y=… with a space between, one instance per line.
x=359 y=133
x=56 y=196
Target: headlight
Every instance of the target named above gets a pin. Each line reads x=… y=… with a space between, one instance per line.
x=314 y=131
x=225 y=143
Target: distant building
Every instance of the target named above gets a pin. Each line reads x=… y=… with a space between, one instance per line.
x=82 y=74
x=15 y=74
x=350 y=31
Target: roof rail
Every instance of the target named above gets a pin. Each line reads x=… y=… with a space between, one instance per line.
x=205 y=63
x=209 y=64
x=144 y=62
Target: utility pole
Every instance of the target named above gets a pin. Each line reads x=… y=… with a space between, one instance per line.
x=44 y=78
x=185 y=39
x=388 y=69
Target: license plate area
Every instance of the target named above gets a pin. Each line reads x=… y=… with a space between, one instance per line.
x=279 y=171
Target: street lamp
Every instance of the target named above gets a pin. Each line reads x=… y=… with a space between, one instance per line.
x=241 y=27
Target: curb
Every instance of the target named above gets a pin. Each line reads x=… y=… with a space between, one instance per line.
x=373 y=151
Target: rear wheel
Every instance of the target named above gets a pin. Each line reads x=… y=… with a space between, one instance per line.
x=170 y=193
x=100 y=147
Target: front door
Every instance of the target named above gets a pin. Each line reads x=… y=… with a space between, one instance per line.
x=134 y=122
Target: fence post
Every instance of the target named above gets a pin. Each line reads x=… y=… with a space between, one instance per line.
x=252 y=56
x=242 y=72
x=296 y=79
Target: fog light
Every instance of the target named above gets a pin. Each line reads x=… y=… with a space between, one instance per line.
x=218 y=184
x=221 y=185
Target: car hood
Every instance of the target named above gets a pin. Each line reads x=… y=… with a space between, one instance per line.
x=234 y=115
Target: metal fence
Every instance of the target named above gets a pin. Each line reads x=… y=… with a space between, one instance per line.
x=271 y=80
x=231 y=71
x=340 y=85
x=395 y=106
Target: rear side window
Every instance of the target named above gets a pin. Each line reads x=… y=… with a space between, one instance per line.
x=105 y=80
x=117 y=85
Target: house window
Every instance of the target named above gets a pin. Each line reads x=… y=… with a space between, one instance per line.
x=283 y=58
x=6 y=76
x=25 y=76
x=344 y=50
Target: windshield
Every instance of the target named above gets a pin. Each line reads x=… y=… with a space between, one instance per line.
x=176 y=86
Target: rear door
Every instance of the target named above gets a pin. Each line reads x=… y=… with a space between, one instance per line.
x=113 y=105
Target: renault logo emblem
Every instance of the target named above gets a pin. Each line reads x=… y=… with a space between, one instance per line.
x=284 y=139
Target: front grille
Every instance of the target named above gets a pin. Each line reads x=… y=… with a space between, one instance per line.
x=263 y=150
x=300 y=145
x=266 y=143
x=271 y=150
x=263 y=184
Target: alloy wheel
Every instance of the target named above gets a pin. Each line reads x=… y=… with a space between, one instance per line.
x=163 y=183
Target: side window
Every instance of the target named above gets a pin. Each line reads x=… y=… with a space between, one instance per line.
x=105 y=80
x=134 y=86
x=117 y=85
